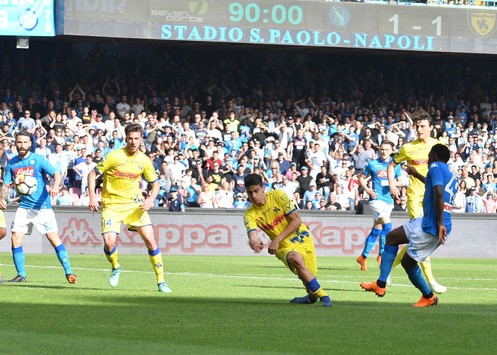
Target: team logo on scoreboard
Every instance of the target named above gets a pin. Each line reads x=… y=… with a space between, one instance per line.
x=482 y=23
x=28 y=19
x=339 y=16
x=198 y=7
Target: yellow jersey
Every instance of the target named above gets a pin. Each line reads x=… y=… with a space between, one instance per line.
x=272 y=219
x=415 y=154
x=122 y=175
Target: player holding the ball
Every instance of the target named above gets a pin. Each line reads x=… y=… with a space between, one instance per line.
x=35 y=208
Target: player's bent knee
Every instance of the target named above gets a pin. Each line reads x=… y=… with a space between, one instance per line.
x=109 y=246
x=3 y=233
x=408 y=263
x=390 y=239
x=295 y=260
x=109 y=241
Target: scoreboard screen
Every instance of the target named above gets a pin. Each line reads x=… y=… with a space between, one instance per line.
x=27 y=18
x=290 y=22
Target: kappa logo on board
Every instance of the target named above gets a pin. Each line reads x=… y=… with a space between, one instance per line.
x=78 y=232
x=482 y=23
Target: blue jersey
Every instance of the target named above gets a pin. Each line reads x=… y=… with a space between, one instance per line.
x=34 y=165
x=377 y=169
x=439 y=174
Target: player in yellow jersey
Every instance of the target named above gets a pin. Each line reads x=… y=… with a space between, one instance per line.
x=415 y=154
x=291 y=241
x=122 y=201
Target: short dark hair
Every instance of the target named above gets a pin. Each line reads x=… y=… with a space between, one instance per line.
x=134 y=127
x=420 y=115
x=442 y=152
x=388 y=142
x=253 y=179
x=23 y=133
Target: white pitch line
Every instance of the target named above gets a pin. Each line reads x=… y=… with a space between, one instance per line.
x=273 y=278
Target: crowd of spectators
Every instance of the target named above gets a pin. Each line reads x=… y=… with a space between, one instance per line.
x=308 y=122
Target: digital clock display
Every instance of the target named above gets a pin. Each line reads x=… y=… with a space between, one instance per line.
x=277 y=14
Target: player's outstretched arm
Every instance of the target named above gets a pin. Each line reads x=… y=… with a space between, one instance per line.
x=411 y=170
x=148 y=203
x=295 y=222
x=394 y=191
x=91 y=191
x=255 y=243
x=364 y=185
x=439 y=210
x=57 y=179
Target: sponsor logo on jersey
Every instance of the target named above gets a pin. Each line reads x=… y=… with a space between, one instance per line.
x=125 y=175
x=382 y=174
x=27 y=170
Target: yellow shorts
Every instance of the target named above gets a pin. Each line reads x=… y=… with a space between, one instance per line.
x=414 y=206
x=306 y=250
x=131 y=215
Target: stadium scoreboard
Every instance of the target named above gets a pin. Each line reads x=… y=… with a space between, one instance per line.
x=27 y=18
x=293 y=23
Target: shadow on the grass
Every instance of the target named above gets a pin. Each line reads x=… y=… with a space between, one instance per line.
x=301 y=288
x=47 y=287
x=282 y=267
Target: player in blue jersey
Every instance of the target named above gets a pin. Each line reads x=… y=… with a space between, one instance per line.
x=34 y=209
x=424 y=234
x=380 y=201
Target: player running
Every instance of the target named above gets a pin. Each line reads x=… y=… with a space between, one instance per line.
x=380 y=201
x=122 y=201
x=34 y=209
x=424 y=234
x=416 y=155
x=291 y=240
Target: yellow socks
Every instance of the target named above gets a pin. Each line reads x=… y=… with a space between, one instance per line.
x=112 y=257
x=399 y=256
x=156 y=260
x=426 y=269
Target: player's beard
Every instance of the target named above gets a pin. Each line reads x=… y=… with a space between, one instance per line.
x=22 y=153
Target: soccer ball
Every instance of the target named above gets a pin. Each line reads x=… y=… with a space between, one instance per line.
x=25 y=184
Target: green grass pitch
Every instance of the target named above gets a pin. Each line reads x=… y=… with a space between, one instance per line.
x=240 y=305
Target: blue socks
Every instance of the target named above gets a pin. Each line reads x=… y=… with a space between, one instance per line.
x=18 y=256
x=152 y=252
x=387 y=259
x=371 y=240
x=387 y=228
x=313 y=285
x=418 y=281
x=63 y=258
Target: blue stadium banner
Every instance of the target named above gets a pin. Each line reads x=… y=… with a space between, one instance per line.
x=26 y=18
